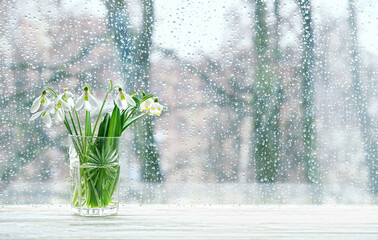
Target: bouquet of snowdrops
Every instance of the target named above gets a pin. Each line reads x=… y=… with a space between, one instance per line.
x=95 y=148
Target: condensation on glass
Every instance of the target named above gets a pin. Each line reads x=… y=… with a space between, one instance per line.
x=265 y=101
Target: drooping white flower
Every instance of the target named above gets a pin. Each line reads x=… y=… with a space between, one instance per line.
x=123 y=100
x=59 y=115
x=156 y=108
x=145 y=105
x=66 y=100
x=87 y=101
x=40 y=102
x=59 y=112
x=45 y=115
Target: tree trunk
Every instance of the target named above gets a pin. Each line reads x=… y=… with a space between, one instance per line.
x=361 y=103
x=134 y=52
x=308 y=95
x=120 y=27
x=265 y=104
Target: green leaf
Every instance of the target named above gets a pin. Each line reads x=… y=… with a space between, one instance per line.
x=137 y=102
x=126 y=114
x=100 y=166
x=102 y=131
x=104 y=126
x=144 y=98
x=115 y=123
x=88 y=131
x=67 y=126
x=115 y=128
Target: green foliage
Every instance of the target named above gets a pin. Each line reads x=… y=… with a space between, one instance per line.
x=88 y=129
x=100 y=173
x=99 y=169
x=104 y=126
x=115 y=129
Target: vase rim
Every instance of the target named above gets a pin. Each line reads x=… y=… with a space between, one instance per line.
x=76 y=136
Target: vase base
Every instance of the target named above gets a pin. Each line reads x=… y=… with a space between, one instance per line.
x=95 y=212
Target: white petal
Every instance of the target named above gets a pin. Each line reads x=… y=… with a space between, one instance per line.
x=93 y=101
x=69 y=94
x=80 y=102
x=50 y=109
x=159 y=107
x=130 y=100
x=70 y=102
x=118 y=102
x=36 y=104
x=59 y=115
x=156 y=108
x=36 y=115
x=38 y=99
x=47 y=102
x=124 y=104
x=59 y=98
x=47 y=119
x=87 y=106
x=145 y=106
x=65 y=106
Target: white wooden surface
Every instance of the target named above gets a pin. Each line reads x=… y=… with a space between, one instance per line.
x=193 y=222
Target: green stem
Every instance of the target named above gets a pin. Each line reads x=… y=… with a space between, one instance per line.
x=129 y=115
x=132 y=121
x=73 y=124
x=139 y=91
x=78 y=122
x=52 y=91
x=103 y=104
x=67 y=125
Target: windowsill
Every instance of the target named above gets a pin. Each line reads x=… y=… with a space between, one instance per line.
x=192 y=222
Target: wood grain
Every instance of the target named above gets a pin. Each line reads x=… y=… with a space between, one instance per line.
x=193 y=222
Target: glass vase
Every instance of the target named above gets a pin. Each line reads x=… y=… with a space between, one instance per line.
x=95 y=172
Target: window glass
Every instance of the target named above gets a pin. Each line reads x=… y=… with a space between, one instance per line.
x=264 y=101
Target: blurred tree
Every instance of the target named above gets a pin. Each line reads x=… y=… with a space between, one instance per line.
x=134 y=51
x=308 y=93
x=218 y=164
x=277 y=54
x=16 y=71
x=266 y=103
x=361 y=103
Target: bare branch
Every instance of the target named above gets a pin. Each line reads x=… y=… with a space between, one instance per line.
x=232 y=99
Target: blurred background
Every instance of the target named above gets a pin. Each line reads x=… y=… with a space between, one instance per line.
x=265 y=101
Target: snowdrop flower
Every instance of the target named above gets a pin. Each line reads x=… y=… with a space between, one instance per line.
x=45 y=115
x=87 y=101
x=145 y=105
x=59 y=112
x=65 y=100
x=40 y=102
x=123 y=100
x=156 y=108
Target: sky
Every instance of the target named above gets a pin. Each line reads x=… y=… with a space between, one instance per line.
x=201 y=26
